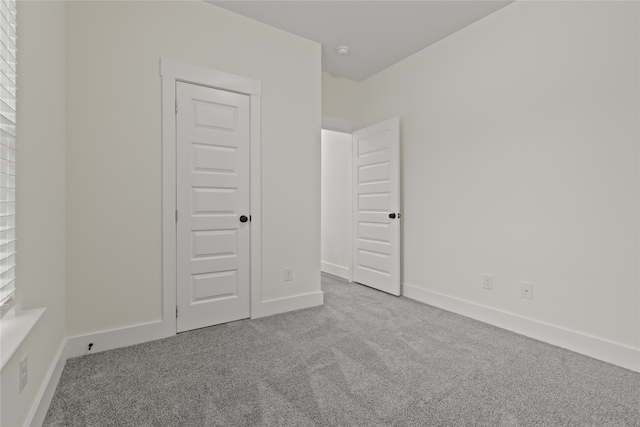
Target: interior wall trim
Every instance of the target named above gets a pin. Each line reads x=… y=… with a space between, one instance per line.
x=38 y=412
x=122 y=337
x=171 y=72
x=336 y=270
x=597 y=348
x=114 y=338
x=283 y=305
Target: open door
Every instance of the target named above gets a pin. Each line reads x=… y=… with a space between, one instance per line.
x=376 y=206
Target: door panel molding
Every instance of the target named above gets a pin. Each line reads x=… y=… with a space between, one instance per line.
x=171 y=73
x=375 y=259
x=213 y=197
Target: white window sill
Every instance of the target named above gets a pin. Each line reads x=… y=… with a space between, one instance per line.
x=14 y=328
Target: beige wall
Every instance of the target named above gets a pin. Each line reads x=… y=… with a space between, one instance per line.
x=114 y=149
x=520 y=159
x=336 y=202
x=340 y=98
x=41 y=199
x=90 y=162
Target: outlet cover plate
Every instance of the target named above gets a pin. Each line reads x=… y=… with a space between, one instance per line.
x=487 y=281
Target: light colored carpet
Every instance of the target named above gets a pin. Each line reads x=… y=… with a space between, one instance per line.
x=363 y=359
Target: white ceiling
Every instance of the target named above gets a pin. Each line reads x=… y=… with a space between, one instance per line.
x=378 y=33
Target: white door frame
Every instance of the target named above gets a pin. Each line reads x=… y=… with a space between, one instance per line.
x=171 y=72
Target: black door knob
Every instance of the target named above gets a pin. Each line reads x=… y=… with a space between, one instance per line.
x=392 y=215
x=244 y=218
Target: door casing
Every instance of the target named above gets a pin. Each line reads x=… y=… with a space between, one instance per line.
x=172 y=72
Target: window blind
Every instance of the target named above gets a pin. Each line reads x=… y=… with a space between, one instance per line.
x=7 y=154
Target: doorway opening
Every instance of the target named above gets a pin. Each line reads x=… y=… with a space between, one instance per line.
x=360 y=205
x=336 y=200
x=216 y=198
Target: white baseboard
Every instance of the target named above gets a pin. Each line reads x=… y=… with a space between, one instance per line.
x=78 y=346
x=336 y=270
x=45 y=395
x=283 y=305
x=607 y=351
x=116 y=338
x=137 y=334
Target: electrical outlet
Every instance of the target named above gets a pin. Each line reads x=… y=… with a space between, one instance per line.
x=288 y=274
x=527 y=290
x=487 y=281
x=24 y=373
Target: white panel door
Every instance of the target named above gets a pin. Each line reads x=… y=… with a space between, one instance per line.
x=213 y=242
x=376 y=206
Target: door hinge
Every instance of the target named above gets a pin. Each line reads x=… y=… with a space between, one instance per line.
x=176 y=215
x=176 y=106
x=176 y=312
